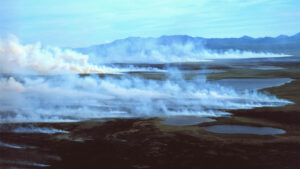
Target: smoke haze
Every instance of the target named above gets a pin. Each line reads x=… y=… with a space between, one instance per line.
x=70 y=97
x=163 y=50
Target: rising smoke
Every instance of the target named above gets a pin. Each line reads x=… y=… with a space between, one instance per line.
x=36 y=59
x=31 y=93
x=163 y=50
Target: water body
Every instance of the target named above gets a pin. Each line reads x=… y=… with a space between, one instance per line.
x=267 y=68
x=253 y=84
x=237 y=129
x=186 y=120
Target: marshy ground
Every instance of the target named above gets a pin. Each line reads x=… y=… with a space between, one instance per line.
x=151 y=144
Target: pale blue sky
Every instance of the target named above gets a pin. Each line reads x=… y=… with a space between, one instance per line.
x=76 y=23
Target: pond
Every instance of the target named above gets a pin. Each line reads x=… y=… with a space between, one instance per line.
x=253 y=84
x=237 y=129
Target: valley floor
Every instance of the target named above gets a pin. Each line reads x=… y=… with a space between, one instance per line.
x=150 y=144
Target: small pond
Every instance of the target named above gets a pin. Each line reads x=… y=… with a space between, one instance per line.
x=253 y=84
x=237 y=129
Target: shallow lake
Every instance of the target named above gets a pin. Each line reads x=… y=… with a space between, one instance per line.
x=267 y=68
x=253 y=84
x=237 y=129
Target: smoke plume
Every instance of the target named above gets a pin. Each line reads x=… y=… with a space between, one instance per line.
x=31 y=93
x=163 y=50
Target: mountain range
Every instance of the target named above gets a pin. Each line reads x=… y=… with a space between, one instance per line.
x=281 y=44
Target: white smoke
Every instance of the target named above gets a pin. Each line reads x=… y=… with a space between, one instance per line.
x=139 y=50
x=72 y=98
x=69 y=97
x=36 y=59
x=10 y=145
x=17 y=58
x=32 y=129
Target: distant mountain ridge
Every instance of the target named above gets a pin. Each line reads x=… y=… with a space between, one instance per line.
x=280 y=44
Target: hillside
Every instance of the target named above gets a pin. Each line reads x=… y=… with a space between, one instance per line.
x=176 y=44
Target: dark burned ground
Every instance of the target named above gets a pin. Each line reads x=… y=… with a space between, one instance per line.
x=145 y=143
x=148 y=144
